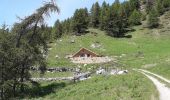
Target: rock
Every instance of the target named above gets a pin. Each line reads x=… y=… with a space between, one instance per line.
x=85 y=65
x=101 y=71
x=123 y=55
x=113 y=72
x=49 y=49
x=95 y=45
x=68 y=56
x=122 y=72
x=72 y=41
x=57 y=56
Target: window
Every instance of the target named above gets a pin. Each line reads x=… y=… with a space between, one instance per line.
x=88 y=55
x=82 y=55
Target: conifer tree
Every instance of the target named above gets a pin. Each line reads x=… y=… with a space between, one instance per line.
x=159 y=7
x=135 y=4
x=118 y=21
x=95 y=15
x=57 y=29
x=80 y=21
x=166 y=3
x=21 y=49
x=103 y=16
x=135 y=18
x=153 y=20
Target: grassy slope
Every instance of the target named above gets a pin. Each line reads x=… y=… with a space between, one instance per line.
x=133 y=86
x=147 y=49
x=154 y=48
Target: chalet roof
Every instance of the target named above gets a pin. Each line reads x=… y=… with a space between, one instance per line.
x=86 y=50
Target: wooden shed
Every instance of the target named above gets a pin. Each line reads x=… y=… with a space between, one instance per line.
x=83 y=52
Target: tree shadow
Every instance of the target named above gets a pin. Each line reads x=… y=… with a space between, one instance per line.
x=124 y=33
x=40 y=91
x=84 y=32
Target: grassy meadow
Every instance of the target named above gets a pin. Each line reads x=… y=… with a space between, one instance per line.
x=133 y=86
x=147 y=49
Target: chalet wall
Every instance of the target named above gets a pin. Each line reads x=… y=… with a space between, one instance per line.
x=85 y=53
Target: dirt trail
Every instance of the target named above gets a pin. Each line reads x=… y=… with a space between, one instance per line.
x=162 y=78
x=164 y=92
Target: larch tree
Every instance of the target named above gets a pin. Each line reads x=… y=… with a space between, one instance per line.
x=22 y=50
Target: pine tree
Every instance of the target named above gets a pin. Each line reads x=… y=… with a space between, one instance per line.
x=95 y=15
x=149 y=5
x=80 y=21
x=153 y=20
x=104 y=16
x=135 y=18
x=159 y=7
x=166 y=3
x=57 y=29
x=135 y=4
x=127 y=8
x=66 y=26
x=118 y=21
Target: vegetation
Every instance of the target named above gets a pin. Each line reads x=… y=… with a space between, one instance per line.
x=27 y=43
x=153 y=21
x=135 y=18
x=80 y=21
x=58 y=30
x=104 y=87
x=116 y=19
x=20 y=49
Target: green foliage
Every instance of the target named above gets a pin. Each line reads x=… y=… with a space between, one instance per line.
x=149 y=5
x=104 y=16
x=21 y=49
x=57 y=29
x=159 y=7
x=135 y=18
x=129 y=87
x=166 y=3
x=80 y=20
x=153 y=20
x=134 y=4
x=67 y=26
x=118 y=21
x=95 y=15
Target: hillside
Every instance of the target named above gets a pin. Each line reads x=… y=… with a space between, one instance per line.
x=147 y=49
x=116 y=50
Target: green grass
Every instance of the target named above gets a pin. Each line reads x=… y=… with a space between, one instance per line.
x=154 y=49
x=146 y=47
x=51 y=75
x=133 y=86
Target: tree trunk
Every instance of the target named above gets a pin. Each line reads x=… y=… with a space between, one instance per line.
x=14 y=89
x=2 y=79
x=22 y=77
x=2 y=94
x=34 y=32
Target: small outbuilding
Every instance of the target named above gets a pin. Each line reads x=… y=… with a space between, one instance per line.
x=85 y=56
x=83 y=52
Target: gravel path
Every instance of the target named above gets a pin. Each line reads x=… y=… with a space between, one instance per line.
x=164 y=92
x=162 y=78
